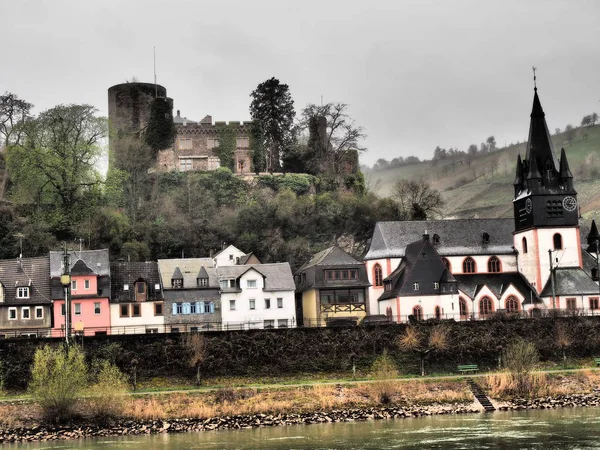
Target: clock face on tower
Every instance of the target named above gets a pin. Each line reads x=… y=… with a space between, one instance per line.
x=569 y=203
x=528 y=206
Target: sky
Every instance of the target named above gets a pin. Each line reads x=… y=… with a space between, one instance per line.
x=415 y=74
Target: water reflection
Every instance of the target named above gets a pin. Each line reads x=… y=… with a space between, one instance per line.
x=558 y=429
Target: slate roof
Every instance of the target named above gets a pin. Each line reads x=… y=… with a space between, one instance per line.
x=81 y=268
x=421 y=264
x=189 y=269
x=472 y=283
x=278 y=276
x=332 y=256
x=589 y=262
x=32 y=272
x=244 y=259
x=97 y=260
x=570 y=281
x=126 y=272
x=456 y=237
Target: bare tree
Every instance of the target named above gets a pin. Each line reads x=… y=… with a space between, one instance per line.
x=197 y=348
x=413 y=196
x=414 y=340
x=563 y=340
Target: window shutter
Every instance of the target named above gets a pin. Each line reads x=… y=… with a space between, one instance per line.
x=174 y=309
x=198 y=306
x=186 y=308
x=212 y=307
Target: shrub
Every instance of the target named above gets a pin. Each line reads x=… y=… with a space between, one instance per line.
x=58 y=377
x=384 y=372
x=107 y=395
x=520 y=359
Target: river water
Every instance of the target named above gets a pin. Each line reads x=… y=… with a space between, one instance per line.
x=577 y=428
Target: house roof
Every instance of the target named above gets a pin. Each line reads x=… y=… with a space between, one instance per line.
x=498 y=283
x=81 y=268
x=96 y=260
x=456 y=237
x=421 y=264
x=570 y=281
x=127 y=273
x=332 y=256
x=278 y=276
x=244 y=259
x=202 y=273
x=232 y=247
x=32 y=272
x=189 y=268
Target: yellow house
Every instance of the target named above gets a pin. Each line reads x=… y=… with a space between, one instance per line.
x=331 y=289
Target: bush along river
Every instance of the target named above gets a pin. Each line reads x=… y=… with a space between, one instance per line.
x=564 y=428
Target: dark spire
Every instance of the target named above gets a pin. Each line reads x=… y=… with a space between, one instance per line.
x=593 y=238
x=534 y=173
x=519 y=176
x=564 y=165
x=539 y=144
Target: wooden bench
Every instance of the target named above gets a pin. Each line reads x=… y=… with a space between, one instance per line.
x=597 y=361
x=470 y=368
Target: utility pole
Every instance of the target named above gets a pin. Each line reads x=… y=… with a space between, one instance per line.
x=552 y=280
x=65 y=280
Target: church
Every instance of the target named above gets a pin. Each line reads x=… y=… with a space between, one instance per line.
x=469 y=269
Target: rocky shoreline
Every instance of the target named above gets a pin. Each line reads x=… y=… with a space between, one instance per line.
x=562 y=401
x=140 y=427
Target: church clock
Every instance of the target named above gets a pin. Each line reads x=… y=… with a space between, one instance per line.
x=569 y=203
x=528 y=206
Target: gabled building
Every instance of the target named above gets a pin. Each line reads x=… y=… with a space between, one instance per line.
x=89 y=292
x=136 y=303
x=332 y=285
x=232 y=255
x=191 y=294
x=257 y=296
x=25 y=299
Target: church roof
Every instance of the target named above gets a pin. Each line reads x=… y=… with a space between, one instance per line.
x=449 y=237
x=471 y=284
x=570 y=281
x=539 y=145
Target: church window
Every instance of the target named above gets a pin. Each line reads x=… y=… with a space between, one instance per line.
x=447 y=264
x=485 y=306
x=571 y=304
x=469 y=265
x=378 y=275
x=462 y=306
x=493 y=264
x=593 y=302
x=418 y=313
x=524 y=245
x=557 y=240
x=512 y=304
x=438 y=313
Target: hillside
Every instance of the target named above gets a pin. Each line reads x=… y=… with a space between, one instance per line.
x=484 y=188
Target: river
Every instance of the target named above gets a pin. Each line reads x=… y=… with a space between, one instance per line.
x=576 y=428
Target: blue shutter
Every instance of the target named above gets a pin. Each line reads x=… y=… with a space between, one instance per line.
x=186 y=308
x=212 y=307
x=174 y=309
x=198 y=305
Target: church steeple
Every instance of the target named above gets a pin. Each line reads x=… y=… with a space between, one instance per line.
x=539 y=145
x=593 y=238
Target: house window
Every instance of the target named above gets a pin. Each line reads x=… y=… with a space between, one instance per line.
x=73 y=285
x=438 y=313
x=387 y=286
x=63 y=311
x=178 y=308
x=136 y=311
x=416 y=286
x=208 y=307
x=212 y=143
x=86 y=284
x=39 y=312
x=282 y=323
x=378 y=275
x=269 y=324
x=23 y=292
x=267 y=303
x=202 y=282
x=557 y=241
x=280 y=303
x=485 y=306
x=158 y=309
x=447 y=264
x=493 y=264
x=140 y=287
x=77 y=308
x=25 y=313
x=232 y=305
x=125 y=287
x=185 y=143
x=252 y=304
x=242 y=142
x=524 y=245
x=193 y=308
x=462 y=306
x=12 y=313
x=251 y=284
x=346 y=274
x=418 y=313
x=571 y=304
x=469 y=265
x=176 y=283
x=97 y=308
x=512 y=304
x=593 y=302
x=185 y=165
x=436 y=285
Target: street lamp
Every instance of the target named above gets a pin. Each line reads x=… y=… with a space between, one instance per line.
x=65 y=280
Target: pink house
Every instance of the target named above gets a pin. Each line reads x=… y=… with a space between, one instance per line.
x=89 y=292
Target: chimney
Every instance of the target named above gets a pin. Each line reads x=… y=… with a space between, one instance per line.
x=425 y=236
x=178 y=113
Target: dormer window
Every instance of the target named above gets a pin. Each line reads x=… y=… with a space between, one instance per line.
x=436 y=238
x=157 y=287
x=23 y=292
x=177 y=283
x=485 y=238
x=416 y=286
x=388 y=286
x=140 y=291
x=436 y=285
x=202 y=282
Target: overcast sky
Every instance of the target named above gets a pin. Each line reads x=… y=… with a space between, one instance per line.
x=415 y=74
